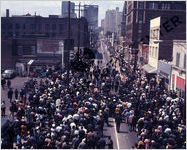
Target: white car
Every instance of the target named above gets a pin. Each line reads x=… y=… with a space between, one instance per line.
x=9 y=74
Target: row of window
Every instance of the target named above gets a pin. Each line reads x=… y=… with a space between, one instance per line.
x=17 y=26
x=178 y=57
x=53 y=34
x=155 y=5
x=153 y=51
x=154 y=34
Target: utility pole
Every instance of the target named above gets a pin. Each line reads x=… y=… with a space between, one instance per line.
x=68 y=63
x=79 y=33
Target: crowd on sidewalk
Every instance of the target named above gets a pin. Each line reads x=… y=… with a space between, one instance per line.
x=50 y=114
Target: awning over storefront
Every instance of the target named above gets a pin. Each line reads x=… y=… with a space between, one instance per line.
x=149 y=69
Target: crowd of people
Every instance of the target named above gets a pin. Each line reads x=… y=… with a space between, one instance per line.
x=64 y=114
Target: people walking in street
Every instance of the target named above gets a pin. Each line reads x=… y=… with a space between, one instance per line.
x=3 y=108
x=75 y=116
x=109 y=143
x=8 y=83
x=13 y=108
x=3 y=83
x=10 y=94
x=16 y=94
x=118 y=122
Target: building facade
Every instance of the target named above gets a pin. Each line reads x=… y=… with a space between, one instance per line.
x=91 y=14
x=178 y=73
x=123 y=20
x=52 y=27
x=112 y=20
x=143 y=54
x=34 y=37
x=140 y=13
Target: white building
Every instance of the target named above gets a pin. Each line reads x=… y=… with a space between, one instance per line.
x=152 y=66
x=178 y=72
x=112 y=20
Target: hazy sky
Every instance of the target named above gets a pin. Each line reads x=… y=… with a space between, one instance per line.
x=45 y=8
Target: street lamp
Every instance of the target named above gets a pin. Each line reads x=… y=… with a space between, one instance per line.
x=157 y=41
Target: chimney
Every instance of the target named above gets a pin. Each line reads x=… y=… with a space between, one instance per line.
x=7 y=12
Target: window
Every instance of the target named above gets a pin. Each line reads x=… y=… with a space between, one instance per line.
x=165 y=6
x=10 y=34
x=39 y=27
x=185 y=61
x=129 y=18
x=156 y=51
x=140 y=17
x=154 y=34
x=129 y=8
x=61 y=27
x=10 y=26
x=153 y=5
x=20 y=50
x=17 y=33
x=17 y=26
x=141 y=5
x=153 y=52
x=150 y=50
x=177 y=59
x=139 y=26
x=53 y=34
x=24 y=26
x=47 y=27
x=33 y=49
x=53 y=26
x=3 y=26
x=32 y=27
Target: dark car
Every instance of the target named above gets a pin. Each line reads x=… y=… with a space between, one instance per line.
x=9 y=74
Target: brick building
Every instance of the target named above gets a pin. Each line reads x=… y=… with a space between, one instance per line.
x=51 y=27
x=140 y=13
x=35 y=37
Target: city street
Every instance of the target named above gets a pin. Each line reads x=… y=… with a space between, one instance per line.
x=123 y=140
x=16 y=83
x=100 y=75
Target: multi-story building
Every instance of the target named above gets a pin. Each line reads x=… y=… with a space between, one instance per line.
x=65 y=7
x=102 y=24
x=123 y=20
x=52 y=27
x=178 y=72
x=161 y=47
x=26 y=37
x=140 y=13
x=143 y=54
x=112 y=20
x=91 y=14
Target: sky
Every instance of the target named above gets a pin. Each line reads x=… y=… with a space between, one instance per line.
x=45 y=7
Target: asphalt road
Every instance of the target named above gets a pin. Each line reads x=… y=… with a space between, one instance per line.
x=16 y=83
x=122 y=140
x=125 y=139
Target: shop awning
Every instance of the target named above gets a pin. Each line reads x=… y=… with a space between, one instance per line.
x=149 y=69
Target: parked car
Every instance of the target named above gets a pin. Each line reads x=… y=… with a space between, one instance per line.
x=9 y=74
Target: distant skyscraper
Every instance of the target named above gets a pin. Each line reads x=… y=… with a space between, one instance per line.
x=91 y=14
x=112 y=20
x=102 y=23
x=123 y=22
x=65 y=9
